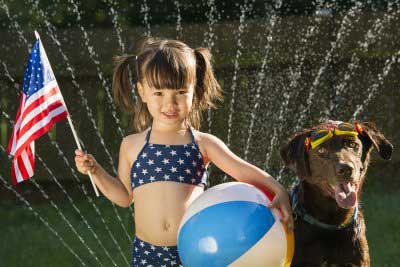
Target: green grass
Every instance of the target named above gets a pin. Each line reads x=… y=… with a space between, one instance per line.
x=25 y=240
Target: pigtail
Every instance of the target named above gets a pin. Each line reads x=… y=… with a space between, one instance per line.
x=207 y=86
x=121 y=85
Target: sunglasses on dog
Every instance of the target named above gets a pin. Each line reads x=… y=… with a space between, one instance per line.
x=319 y=136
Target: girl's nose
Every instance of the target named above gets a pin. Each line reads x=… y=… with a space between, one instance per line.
x=169 y=100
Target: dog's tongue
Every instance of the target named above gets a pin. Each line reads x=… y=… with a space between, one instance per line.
x=345 y=195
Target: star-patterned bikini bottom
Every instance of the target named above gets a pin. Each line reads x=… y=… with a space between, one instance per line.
x=149 y=255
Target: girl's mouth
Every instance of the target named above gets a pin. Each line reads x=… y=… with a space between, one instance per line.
x=171 y=115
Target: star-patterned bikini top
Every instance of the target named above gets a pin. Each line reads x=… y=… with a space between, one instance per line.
x=169 y=163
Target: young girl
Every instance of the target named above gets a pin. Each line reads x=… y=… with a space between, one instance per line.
x=163 y=168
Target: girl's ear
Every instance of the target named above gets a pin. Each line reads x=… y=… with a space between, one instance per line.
x=141 y=91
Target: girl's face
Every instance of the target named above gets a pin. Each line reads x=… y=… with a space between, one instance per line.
x=167 y=106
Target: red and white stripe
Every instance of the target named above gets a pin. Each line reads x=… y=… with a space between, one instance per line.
x=35 y=117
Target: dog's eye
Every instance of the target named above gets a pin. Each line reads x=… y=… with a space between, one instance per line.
x=351 y=144
x=322 y=151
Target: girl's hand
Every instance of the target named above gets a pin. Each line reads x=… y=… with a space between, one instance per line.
x=281 y=202
x=85 y=162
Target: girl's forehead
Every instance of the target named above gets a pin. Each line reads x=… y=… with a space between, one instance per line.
x=146 y=85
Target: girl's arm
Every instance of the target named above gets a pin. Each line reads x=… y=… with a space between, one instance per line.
x=218 y=153
x=118 y=190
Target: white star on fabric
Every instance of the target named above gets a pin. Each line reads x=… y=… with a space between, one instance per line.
x=144 y=171
x=173 y=153
x=159 y=254
x=165 y=161
x=173 y=169
x=185 y=145
x=141 y=244
x=188 y=171
x=181 y=161
x=134 y=175
x=146 y=252
x=158 y=169
x=194 y=163
x=193 y=147
x=144 y=155
x=199 y=156
x=152 y=178
x=166 y=177
x=181 y=178
x=141 y=181
x=152 y=247
x=143 y=262
x=187 y=153
x=138 y=165
x=158 y=153
x=150 y=162
x=166 y=248
x=198 y=173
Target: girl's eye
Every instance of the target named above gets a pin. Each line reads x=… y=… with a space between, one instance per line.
x=157 y=93
x=182 y=92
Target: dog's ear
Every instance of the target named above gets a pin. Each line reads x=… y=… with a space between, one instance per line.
x=372 y=136
x=295 y=156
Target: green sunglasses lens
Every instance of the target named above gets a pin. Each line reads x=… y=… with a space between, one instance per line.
x=318 y=135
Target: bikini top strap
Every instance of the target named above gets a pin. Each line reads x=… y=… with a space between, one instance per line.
x=192 y=134
x=148 y=135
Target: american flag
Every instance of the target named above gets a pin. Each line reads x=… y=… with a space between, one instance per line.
x=41 y=106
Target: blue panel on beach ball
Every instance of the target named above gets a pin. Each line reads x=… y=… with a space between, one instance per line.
x=219 y=234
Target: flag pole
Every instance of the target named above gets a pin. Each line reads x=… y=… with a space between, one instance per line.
x=72 y=128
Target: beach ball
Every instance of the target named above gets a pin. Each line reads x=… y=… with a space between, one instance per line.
x=231 y=225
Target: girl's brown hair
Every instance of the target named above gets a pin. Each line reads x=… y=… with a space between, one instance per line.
x=166 y=64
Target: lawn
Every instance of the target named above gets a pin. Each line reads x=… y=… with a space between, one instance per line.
x=26 y=241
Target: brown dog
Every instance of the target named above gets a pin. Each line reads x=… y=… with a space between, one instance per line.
x=331 y=161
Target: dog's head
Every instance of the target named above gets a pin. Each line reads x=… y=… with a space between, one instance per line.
x=335 y=157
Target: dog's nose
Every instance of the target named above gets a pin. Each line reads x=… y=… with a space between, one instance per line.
x=345 y=169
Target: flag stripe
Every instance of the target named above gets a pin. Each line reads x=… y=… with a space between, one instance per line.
x=40 y=128
x=45 y=90
x=13 y=141
x=29 y=123
x=31 y=110
x=27 y=163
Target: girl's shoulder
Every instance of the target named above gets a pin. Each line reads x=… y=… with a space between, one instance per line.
x=203 y=138
x=133 y=143
x=135 y=138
